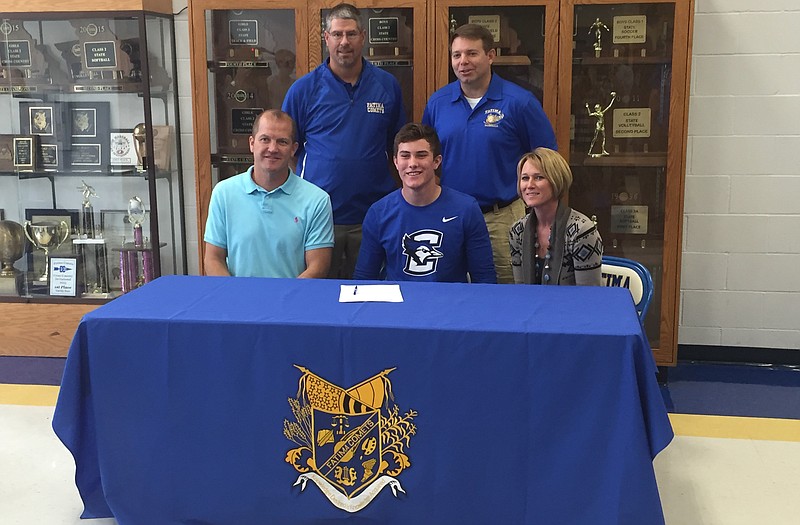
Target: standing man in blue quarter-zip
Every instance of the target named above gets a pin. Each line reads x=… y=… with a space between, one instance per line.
x=347 y=113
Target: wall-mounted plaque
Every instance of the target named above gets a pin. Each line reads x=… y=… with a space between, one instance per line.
x=383 y=30
x=7 y=153
x=628 y=219
x=26 y=153
x=630 y=29
x=243 y=32
x=631 y=123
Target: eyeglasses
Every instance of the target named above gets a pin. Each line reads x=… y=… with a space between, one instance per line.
x=350 y=35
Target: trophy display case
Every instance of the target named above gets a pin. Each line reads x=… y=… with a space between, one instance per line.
x=244 y=57
x=622 y=125
x=92 y=127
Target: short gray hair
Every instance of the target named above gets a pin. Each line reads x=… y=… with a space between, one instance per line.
x=343 y=12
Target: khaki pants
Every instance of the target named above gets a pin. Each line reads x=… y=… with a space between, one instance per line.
x=499 y=223
x=346 y=243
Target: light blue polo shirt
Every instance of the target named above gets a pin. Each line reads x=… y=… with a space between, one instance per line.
x=267 y=233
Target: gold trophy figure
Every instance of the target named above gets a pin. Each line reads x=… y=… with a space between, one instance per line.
x=140 y=143
x=597 y=28
x=46 y=236
x=600 y=126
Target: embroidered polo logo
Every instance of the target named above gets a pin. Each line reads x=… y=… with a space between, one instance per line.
x=492 y=117
x=351 y=441
x=375 y=107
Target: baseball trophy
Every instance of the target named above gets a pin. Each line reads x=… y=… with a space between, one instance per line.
x=12 y=247
x=131 y=253
x=46 y=236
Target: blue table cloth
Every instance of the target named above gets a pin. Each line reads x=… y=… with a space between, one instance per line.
x=470 y=403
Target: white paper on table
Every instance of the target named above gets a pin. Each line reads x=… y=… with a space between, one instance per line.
x=370 y=293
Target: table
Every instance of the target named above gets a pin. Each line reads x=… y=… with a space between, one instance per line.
x=530 y=404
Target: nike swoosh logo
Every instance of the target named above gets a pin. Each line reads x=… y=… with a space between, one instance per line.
x=448 y=219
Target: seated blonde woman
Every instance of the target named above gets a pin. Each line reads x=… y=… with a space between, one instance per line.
x=553 y=244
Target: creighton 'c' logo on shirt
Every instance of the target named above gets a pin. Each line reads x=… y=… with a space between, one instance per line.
x=351 y=441
x=492 y=118
x=375 y=107
x=420 y=249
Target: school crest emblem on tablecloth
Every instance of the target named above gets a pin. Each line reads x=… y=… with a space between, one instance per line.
x=352 y=442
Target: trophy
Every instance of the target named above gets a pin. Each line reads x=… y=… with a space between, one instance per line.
x=600 y=126
x=597 y=28
x=46 y=236
x=91 y=246
x=140 y=145
x=12 y=246
x=129 y=254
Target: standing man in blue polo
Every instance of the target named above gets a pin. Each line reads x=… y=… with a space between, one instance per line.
x=347 y=113
x=486 y=124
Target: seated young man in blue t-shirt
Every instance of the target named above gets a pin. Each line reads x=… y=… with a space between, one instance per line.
x=423 y=232
x=267 y=221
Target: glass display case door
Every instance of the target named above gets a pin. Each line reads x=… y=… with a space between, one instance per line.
x=622 y=126
x=245 y=55
x=526 y=40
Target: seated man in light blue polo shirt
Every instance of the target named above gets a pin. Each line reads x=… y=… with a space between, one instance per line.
x=267 y=222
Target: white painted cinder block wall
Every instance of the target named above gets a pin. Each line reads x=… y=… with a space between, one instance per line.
x=740 y=281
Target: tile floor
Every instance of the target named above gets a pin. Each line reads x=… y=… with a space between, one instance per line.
x=719 y=470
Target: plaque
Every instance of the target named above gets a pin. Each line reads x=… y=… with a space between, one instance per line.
x=49 y=156
x=98 y=61
x=122 y=149
x=19 y=152
x=7 y=152
x=89 y=125
x=26 y=153
x=86 y=155
x=630 y=29
x=47 y=122
x=628 y=219
x=631 y=123
x=64 y=276
x=390 y=38
x=240 y=38
x=162 y=146
x=20 y=56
